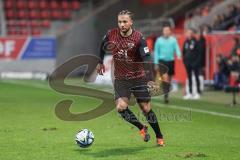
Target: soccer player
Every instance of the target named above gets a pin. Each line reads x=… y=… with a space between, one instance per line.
x=132 y=68
x=164 y=50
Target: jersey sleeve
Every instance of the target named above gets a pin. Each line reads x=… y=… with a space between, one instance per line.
x=103 y=48
x=147 y=60
x=143 y=48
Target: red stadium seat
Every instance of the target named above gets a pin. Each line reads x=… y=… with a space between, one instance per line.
x=45 y=14
x=36 y=32
x=66 y=14
x=34 y=23
x=43 y=4
x=54 y=4
x=56 y=14
x=10 y=14
x=23 y=23
x=33 y=4
x=34 y=14
x=46 y=24
x=21 y=4
x=9 y=4
x=75 y=4
x=12 y=23
x=65 y=4
x=24 y=31
x=23 y=14
x=12 y=31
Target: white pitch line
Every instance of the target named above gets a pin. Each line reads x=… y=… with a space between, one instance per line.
x=198 y=110
x=35 y=85
x=42 y=86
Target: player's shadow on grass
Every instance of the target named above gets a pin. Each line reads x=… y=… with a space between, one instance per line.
x=112 y=152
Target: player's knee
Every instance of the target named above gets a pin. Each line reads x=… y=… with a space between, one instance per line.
x=121 y=105
x=120 y=108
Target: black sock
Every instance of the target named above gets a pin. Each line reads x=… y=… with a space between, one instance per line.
x=166 y=87
x=129 y=116
x=152 y=120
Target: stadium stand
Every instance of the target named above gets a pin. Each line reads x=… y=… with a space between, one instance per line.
x=216 y=15
x=33 y=17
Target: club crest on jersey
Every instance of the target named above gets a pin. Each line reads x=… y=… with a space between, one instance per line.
x=130 y=45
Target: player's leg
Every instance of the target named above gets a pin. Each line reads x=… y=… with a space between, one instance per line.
x=129 y=116
x=189 y=75
x=166 y=85
x=166 y=88
x=122 y=96
x=152 y=120
x=126 y=113
x=196 y=74
x=165 y=70
x=189 y=72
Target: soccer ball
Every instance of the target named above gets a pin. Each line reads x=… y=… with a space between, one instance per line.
x=84 y=138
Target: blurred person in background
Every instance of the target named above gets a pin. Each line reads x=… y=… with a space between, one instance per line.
x=192 y=61
x=165 y=48
x=232 y=11
x=202 y=48
x=221 y=77
x=234 y=67
x=206 y=29
x=236 y=47
x=217 y=22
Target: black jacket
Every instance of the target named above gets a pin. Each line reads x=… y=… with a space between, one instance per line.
x=202 y=50
x=191 y=53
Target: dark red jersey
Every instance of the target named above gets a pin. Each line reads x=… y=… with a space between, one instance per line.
x=128 y=53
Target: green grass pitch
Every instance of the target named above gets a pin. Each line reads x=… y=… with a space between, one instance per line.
x=30 y=130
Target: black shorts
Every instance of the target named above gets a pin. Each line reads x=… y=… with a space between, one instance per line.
x=166 y=66
x=137 y=87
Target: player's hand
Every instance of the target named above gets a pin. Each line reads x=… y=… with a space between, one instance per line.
x=100 y=69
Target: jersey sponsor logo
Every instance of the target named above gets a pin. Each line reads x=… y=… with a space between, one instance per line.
x=130 y=45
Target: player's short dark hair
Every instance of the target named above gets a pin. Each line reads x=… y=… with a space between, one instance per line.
x=166 y=25
x=126 y=12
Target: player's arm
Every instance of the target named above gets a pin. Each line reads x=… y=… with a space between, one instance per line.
x=156 y=54
x=147 y=59
x=101 y=67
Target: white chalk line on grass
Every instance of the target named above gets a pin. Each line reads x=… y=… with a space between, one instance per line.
x=35 y=85
x=198 y=110
x=42 y=86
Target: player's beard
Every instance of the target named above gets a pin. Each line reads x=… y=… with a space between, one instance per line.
x=125 y=32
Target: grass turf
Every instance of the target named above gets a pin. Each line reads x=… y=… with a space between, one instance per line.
x=30 y=130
